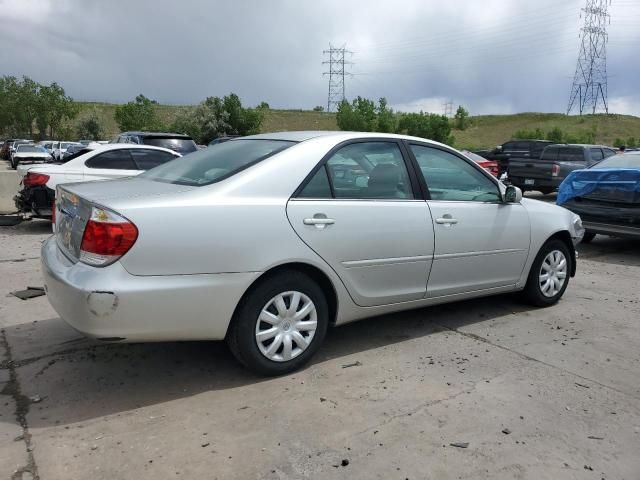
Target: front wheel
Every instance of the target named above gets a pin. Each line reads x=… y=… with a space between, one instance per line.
x=280 y=324
x=549 y=274
x=588 y=237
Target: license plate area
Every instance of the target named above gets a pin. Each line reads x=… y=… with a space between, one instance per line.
x=529 y=181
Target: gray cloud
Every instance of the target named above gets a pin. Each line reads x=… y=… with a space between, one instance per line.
x=493 y=56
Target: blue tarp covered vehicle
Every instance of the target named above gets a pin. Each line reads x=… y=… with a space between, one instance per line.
x=606 y=196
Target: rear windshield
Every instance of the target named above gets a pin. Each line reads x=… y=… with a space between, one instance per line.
x=571 y=154
x=620 y=161
x=180 y=145
x=30 y=149
x=211 y=165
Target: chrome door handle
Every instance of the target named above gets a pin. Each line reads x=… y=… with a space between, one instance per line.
x=318 y=221
x=447 y=221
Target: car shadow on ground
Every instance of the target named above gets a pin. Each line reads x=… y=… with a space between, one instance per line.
x=611 y=250
x=79 y=379
x=28 y=227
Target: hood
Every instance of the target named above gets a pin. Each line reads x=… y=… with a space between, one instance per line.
x=31 y=155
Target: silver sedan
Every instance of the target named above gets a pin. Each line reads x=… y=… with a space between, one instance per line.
x=266 y=241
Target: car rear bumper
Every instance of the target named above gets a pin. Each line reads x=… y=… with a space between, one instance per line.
x=37 y=201
x=537 y=182
x=111 y=304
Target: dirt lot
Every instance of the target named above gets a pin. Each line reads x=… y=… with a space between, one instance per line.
x=535 y=394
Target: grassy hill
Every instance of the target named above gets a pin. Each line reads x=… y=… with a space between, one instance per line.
x=485 y=130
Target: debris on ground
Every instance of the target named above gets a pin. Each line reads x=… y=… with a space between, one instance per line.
x=354 y=364
x=344 y=462
x=35 y=399
x=30 y=292
x=460 y=444
x=506 y=431
x=593 y=437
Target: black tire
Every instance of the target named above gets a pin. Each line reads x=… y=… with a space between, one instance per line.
x=241 y=335
x=546 y=191
x=588 y=237
x=14 y=164
x=532 y=292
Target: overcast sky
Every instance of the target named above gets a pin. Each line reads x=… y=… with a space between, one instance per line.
x=493 y=56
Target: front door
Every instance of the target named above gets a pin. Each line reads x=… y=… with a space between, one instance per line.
x=480 y=241
x=359 y=213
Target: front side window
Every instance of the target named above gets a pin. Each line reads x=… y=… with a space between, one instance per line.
x=449 y=177
x=211 y=165
x=113 y=160
x=147 y=159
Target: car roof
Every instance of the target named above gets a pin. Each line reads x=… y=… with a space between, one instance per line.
x=580 y=145
x=157 y=134
x=302 y=136
x=116 y=146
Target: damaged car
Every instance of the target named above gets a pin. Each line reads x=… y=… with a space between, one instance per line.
x=95 y=162
x=28 y=153
x=606 y=196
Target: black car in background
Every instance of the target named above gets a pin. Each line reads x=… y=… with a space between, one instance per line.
x=606 y=196
x=516 y=149
x=177 y=142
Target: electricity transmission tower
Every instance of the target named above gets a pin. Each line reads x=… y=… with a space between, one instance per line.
x=589 y=89
x=448 y=109
x=336 y=74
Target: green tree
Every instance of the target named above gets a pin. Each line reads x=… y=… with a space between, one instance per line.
x=524 y=134
x=387 y=122
x=555 y=135
x=264 y=106
x=318 y=108
x=461 y=118
x=358 y=116
x=618 y=142
x=140 y=114
x=53 y=107
x=89 y=127
x=426 y=125
x=631 y=142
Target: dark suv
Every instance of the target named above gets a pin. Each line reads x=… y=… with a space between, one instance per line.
x=517 y=149
x=177 y=142
x=556 y=162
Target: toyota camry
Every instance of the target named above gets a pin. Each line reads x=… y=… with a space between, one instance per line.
x=266 y=241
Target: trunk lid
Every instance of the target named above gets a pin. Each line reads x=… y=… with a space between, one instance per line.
x=74 y=202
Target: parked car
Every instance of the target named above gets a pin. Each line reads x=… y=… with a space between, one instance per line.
x=5 y=149
x=47 y=145
x=606 y=196
x=265 y=242
x=177 y=142
x=60 y=148
x=28 y=153
x=13 y=145
x=490 y=166
x=516 y=149
x=72 y=150
x=218 y=140
x=556 y=162
x=100 y=163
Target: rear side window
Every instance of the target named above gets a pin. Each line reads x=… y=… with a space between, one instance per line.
x=596 y=154
x=608 y=152
x=147 y=159
x=550 y=153
x=318 y=186
x=113 y=160
x=571 y=154
x=211 y=165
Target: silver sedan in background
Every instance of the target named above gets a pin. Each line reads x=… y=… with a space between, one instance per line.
x=267 y=240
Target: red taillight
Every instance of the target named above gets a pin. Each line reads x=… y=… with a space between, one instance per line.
x=555 y=170
x=32 y=179
x=107 y=236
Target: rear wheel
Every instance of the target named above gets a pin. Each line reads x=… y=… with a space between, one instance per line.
x=588 y=237
x=280 y=324
x=546 y=191
x=549 y=274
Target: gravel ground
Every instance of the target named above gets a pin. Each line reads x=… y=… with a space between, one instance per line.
x=483 y=389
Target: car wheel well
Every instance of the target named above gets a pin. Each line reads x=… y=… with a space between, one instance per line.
x=314 y=273
x=565 y=237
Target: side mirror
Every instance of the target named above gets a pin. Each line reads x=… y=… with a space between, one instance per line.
x=512 y=194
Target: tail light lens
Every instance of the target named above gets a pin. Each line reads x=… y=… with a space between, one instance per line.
x=555 y=170
x=32 y=179
x=107 y=237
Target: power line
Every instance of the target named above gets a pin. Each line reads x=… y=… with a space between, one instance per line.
x=336 y=74
x=448 y=109
x=589 y=87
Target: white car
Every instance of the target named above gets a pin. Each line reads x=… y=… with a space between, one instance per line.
x=28 y=154
x=99 y=162
x=58 y=149
x=267 y=240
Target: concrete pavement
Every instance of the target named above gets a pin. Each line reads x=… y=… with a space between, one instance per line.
x=551 y=393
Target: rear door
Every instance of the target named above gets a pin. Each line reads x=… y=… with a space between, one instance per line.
x=111 y=164
x=362 y=213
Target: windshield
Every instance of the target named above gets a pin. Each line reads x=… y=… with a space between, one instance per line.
x=211 y=165
x=180 y=145
x=30 y=149
x=629 y=160
x=64 y=145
